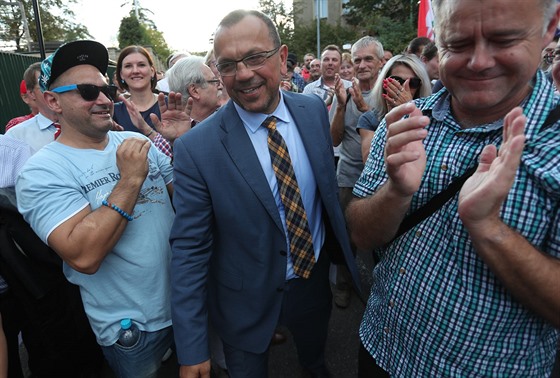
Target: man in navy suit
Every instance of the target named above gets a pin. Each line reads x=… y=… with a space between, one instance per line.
x=232 y=265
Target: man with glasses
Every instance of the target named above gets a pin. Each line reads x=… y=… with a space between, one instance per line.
x=194 y=79
x=258 y=221
x=101 y=200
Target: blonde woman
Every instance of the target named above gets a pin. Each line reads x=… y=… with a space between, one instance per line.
x=402 y=79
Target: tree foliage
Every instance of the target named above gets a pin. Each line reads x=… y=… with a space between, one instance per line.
x=57 y=25
x=305 y=37
x=281 y=17
x=393 y=22
x=133 y=31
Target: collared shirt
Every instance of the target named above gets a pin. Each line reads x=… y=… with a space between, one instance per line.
x=436 y=309
x=13 y=154
x=17 y=120
x=304 y=174
x=37 y=132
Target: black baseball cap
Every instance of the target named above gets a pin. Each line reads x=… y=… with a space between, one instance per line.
x=70 y=55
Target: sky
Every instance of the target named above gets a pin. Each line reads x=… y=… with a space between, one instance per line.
x=186 y=24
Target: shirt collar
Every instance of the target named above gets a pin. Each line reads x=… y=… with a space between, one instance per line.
x=254 y=120
x=43 y=121
x=542 y=93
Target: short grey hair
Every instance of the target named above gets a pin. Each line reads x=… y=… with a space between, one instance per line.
x=366 y=42
x=548 y=8
x=185 y=72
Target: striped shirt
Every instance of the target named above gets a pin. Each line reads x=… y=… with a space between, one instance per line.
x=435 y=308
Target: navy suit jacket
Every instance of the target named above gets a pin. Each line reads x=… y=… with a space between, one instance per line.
x=228 y=242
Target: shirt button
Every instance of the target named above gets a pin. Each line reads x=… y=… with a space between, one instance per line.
x=391 y=304
x=386 y=330
x=444 y=167
x=418 y=233
x=402 y=271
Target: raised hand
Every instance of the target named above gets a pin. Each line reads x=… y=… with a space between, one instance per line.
x=132 y=159
x=357 y=96
x=340 y=91
x=175 y=116
x=483 y=194
x=135 y=116
x=405 y=156
x=395 y=93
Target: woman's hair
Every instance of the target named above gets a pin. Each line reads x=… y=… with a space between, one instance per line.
x=409 y=60
x=131 y=50
x=346 y=57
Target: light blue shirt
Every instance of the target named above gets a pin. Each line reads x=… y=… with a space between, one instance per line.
x=37 y=132
x=133 y=279
x=304 y=174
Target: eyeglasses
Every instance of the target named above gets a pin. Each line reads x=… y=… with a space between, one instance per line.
x=414 y=82
x=252 y=62
x=90 y=92
x=213 y=81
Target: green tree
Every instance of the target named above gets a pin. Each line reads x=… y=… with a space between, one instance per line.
x=394 y=22
x=305 y=36
x=135 y=32
x=57 y=26
x=131 y=32
x=158 y=43
x=281 y=17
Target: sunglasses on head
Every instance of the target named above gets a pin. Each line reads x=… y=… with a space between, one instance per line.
x=90 y=92
x=414 y=82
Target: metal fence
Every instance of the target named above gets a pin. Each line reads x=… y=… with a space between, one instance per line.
x=12 y=67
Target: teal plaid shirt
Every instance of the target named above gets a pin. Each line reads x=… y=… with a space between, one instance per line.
x=435 y=308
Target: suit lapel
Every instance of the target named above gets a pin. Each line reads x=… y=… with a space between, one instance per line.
x=240 y=149
x=314 y=141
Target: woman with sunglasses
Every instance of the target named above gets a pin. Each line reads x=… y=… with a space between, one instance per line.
x=137 y=75
x=402 y=79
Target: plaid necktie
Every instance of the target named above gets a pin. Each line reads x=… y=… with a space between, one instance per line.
x=301 y=243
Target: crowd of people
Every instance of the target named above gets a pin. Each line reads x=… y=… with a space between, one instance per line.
x=207 y=207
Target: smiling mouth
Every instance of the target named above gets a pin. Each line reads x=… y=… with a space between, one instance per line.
x=250 y=90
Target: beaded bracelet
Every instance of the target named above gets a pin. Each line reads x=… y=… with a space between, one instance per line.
x=118 y=210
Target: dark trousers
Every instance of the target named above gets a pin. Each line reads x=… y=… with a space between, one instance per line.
x=367 y=367
x=56 y=334
x=11 y=324
x=306 y=310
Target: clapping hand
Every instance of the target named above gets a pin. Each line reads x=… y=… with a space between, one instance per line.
x=483 y=194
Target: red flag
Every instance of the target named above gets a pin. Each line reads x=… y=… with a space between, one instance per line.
x=425 y=19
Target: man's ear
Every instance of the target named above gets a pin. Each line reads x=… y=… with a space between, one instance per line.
x=283 y=53
x=193 y=91
x=52 y=101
